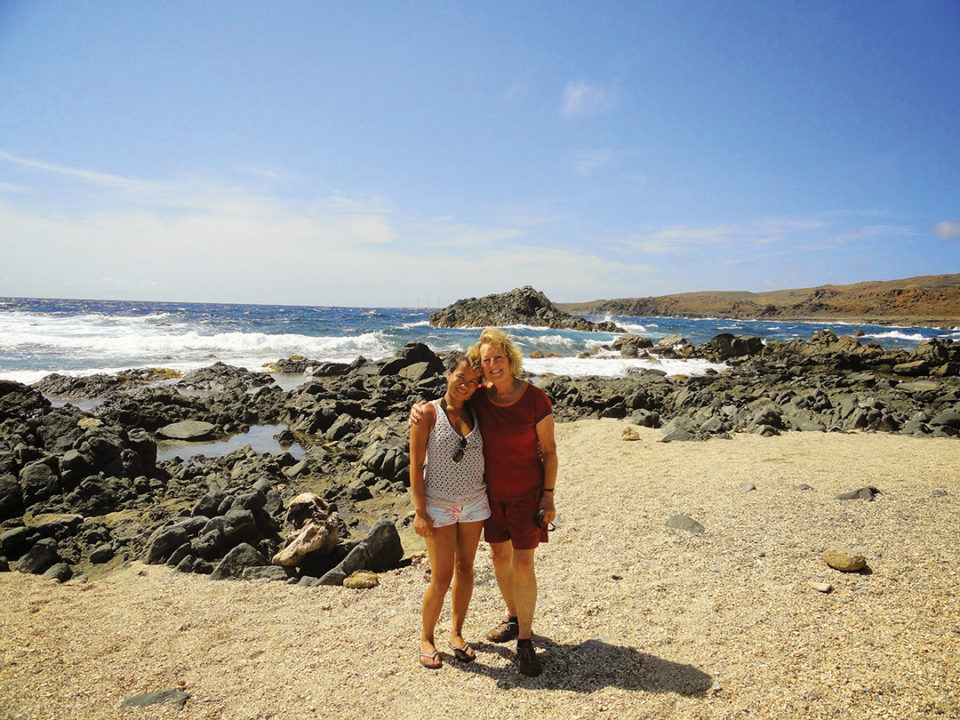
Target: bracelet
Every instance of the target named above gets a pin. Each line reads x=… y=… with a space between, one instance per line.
x=548 y=490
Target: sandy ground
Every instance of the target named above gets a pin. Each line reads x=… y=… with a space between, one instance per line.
x=635 y=620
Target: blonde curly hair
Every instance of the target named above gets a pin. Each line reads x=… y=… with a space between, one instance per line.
x=498 y=338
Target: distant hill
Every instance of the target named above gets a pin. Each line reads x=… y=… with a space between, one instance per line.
x=926 y=300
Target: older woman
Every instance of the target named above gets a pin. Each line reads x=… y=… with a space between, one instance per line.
x=520 y=452
x=450 y=502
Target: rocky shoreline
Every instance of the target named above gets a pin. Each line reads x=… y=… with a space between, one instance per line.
x=82 y=491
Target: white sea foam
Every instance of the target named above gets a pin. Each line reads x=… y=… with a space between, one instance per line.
x=634 y=328
x=134 y=344
x=550 y=341
x=616 y=367
x=897 y=335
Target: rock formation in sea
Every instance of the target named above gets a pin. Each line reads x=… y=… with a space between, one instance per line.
x=523 y=306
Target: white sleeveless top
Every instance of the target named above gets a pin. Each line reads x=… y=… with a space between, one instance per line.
x=446 y=481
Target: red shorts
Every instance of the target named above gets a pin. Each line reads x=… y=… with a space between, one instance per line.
x=512 y=518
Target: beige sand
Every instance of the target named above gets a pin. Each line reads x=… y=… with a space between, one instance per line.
x=635 y=620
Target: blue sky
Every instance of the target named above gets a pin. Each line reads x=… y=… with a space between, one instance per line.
x=412 y=153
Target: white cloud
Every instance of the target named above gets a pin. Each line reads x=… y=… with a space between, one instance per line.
x=679 y=238
x=98 y=178
x=683 y=237
x=199 y=240
x=446 y=234
x=590 y=162
x=870 y=232
x=269 y=174
x=947 y=230
x=580 y=98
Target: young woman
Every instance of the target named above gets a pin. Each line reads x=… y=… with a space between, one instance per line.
x=450 y=500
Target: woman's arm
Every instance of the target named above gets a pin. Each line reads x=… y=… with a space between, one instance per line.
x=548 y=456
x=419 y=434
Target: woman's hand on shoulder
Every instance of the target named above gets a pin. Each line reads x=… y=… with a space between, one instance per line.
x=418 y=411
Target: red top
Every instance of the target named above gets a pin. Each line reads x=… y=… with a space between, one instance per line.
x=511 y=449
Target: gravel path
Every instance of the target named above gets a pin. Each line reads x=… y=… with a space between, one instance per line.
x=635 y=619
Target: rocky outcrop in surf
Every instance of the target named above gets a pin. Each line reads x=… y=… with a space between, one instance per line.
x=523 y=306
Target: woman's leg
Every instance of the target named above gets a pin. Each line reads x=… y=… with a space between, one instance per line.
x=524 y=590
x=468 y=537
x=441 y=547
x=502 y=555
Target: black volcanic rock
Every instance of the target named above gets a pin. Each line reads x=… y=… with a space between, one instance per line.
x=523 y=306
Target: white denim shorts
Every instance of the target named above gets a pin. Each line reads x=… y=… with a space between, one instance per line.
x=443 y=514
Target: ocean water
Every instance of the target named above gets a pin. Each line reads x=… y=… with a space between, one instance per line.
x=81 y=337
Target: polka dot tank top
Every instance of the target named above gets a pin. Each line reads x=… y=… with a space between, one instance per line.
x=446 y=481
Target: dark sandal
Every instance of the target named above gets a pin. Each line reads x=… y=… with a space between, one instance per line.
x=527 y=661
x=507 y=630
x=463 y=654
x=435 y=657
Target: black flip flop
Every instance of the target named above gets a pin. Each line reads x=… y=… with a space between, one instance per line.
x=462 y=653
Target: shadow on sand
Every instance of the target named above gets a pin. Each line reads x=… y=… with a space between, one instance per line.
x=590 y=666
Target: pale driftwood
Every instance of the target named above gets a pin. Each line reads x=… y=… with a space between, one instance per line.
x=315 y=530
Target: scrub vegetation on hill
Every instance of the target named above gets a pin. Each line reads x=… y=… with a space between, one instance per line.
x=925 y=300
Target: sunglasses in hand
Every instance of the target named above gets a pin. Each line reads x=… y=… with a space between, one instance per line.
x=538 y=519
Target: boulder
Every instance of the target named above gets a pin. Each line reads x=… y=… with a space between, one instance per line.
x=240 y=526
x=163 y=542
x=670 y=341
x=145 y=446
x=913 y=368
x=379 y=551
x=684 y=522
x=102 y=554
x=844 y=560
x=38 y=482
x=60 y=572
x=948 y=418
x=207 y=505
x=187 y=430
x=103 y=447
x=11 y=497
x=344 y=426
x=40 y=557
x=234 y=562
x=265 y=573
x=865 y=493
x=361 y=579
x=412 y=353
x=727 y=345
x=16 y=541
x=173 y=696
x=210 y=544
x=74 y=466
x=422 y=371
